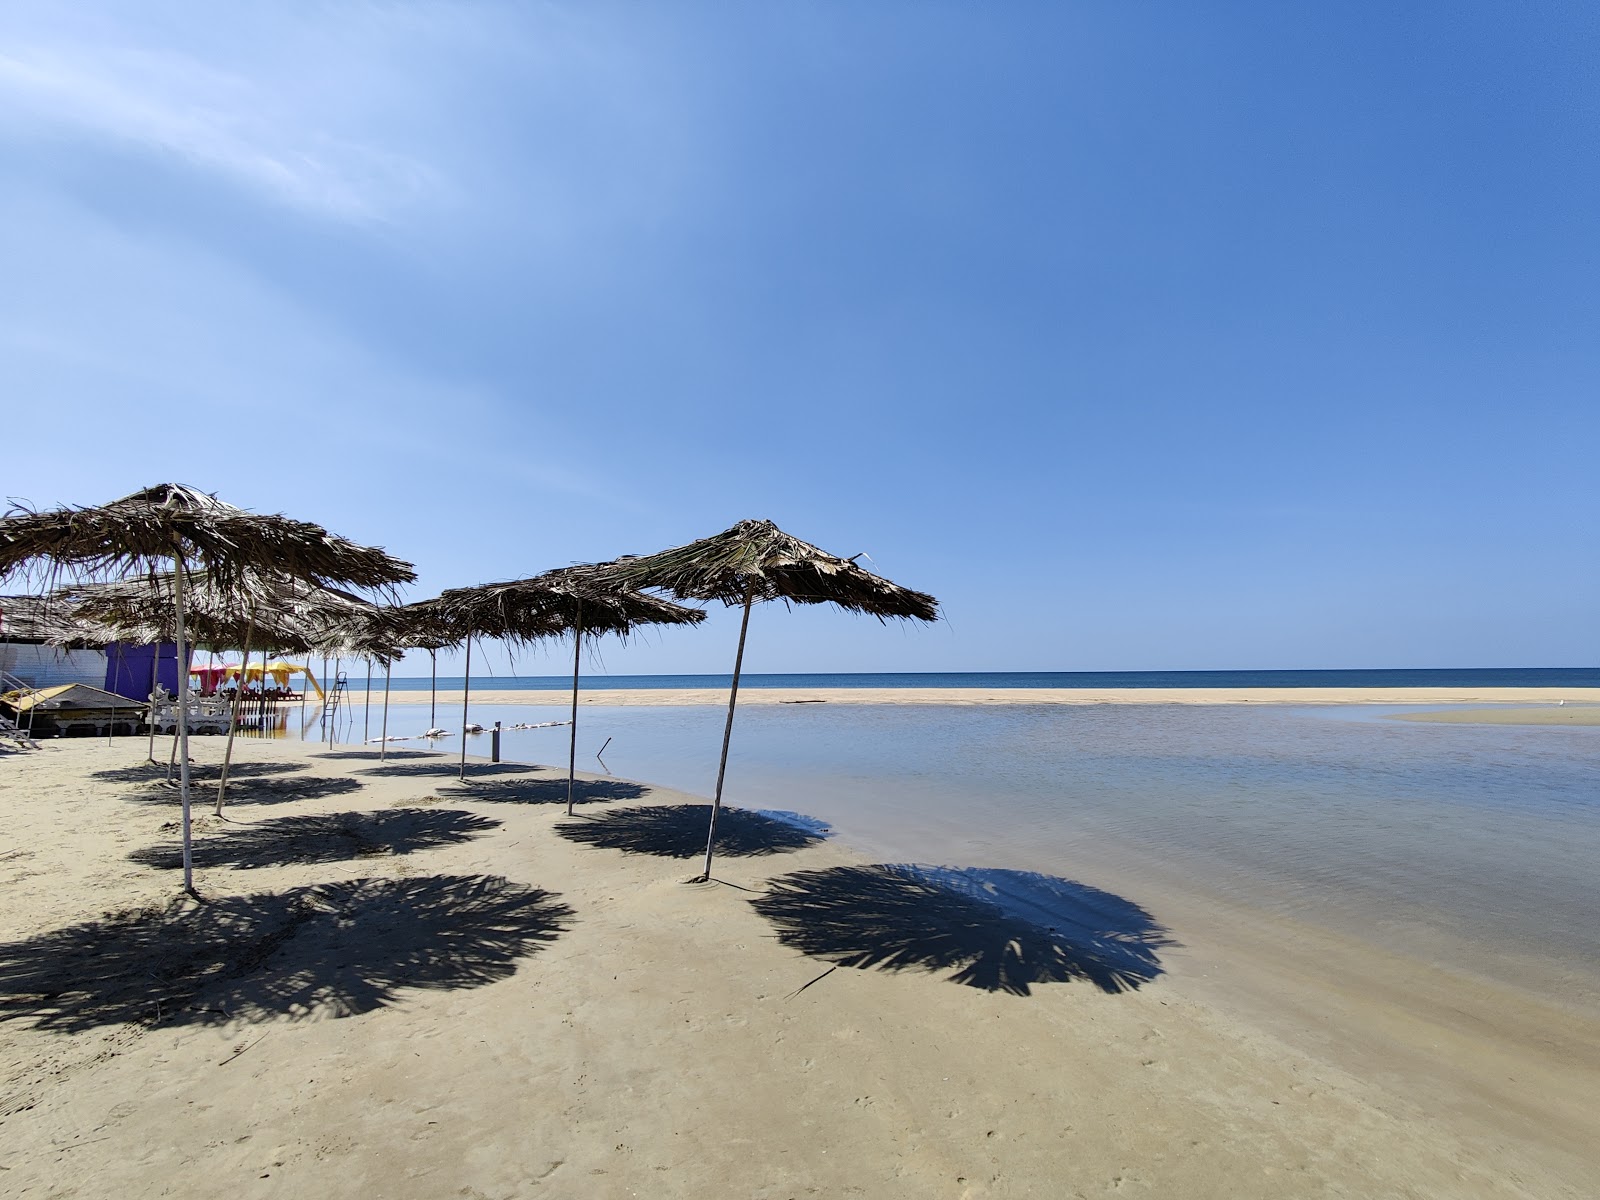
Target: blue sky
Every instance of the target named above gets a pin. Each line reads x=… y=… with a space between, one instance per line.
x=1150 y=336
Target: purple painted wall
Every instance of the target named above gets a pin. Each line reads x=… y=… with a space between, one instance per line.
x=128 y=669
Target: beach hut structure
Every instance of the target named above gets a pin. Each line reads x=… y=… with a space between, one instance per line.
x=73 y=708
x=44 y=644
x=578 y=600
x=183 y=526
x=755 y=560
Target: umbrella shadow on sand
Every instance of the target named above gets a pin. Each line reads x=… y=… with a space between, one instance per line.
x=542 y=791
x=679 y=831
x=1002 y=931
x=443 y=767
x=326 y=837
x=260 y=791
x=198 y=773
x=335 y=949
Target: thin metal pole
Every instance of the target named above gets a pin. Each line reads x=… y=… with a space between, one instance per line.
x=383 y=751
x=727 y=732
x=183 y=721
x=333 y=725
x=572 y=743
x=233 y=719
x=466 y=690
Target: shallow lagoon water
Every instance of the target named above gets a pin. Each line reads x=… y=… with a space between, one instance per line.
x=1471 y=845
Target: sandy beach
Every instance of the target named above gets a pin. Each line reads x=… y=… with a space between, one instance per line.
x=489 y=694
x=404 y=987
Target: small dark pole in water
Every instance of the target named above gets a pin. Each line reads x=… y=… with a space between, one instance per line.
x=494 y=743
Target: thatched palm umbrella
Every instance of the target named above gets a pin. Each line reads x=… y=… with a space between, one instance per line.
x=418 y=626
x=755 y=560
x=178 y=524
x=577 y=600
x=264 y=607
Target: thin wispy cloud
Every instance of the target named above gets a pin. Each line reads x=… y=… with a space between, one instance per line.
x=247 y=130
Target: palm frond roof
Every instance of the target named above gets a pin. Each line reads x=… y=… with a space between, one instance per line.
x=551 y=605
x=144 y=530
x=758 y=559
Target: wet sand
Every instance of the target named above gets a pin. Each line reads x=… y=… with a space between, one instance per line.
x=497 y=1010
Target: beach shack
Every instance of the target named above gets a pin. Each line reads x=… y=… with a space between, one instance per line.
x=73 y=709
x=27 y=659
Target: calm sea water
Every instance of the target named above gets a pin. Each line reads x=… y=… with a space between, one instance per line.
x=1475 y=845
x=1451 y=677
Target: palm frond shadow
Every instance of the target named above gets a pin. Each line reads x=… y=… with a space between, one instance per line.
x=545 y=791
x=372 y=755
x=198 y=772
x=335 y=949
x=992 y=929
x=441 y=766
x=255 y=791
x=325 y=837
x=679 y=831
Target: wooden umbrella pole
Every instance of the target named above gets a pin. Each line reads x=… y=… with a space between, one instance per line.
x=366 y=719
x=155 y=682
x=572 y=743
x=466 y=690
x=383 y=741
x=183 y=722
x=233 y=720
x=727 y=732
x=433 y=689
x=333 y=725
x=111 y=726
x=266 y=654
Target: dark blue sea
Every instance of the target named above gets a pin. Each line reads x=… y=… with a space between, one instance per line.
x=1462 y=677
